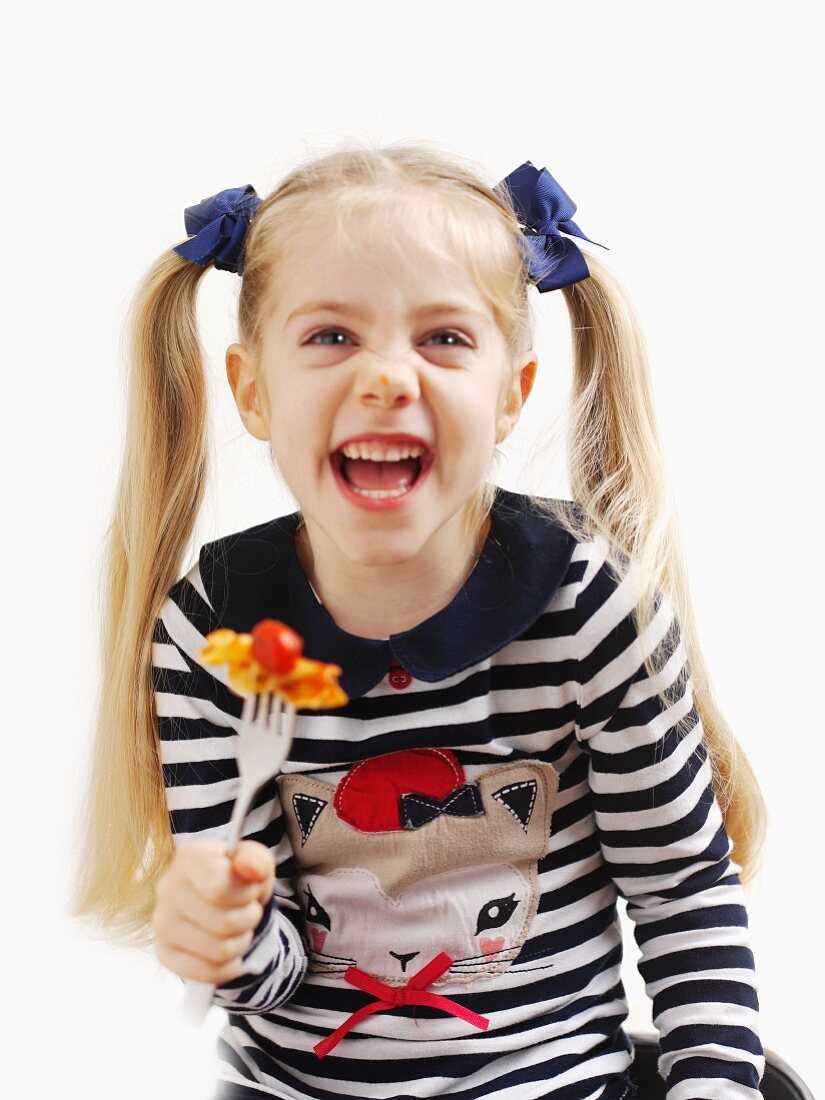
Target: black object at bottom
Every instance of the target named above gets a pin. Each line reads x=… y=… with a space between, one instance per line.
x=780 y=1082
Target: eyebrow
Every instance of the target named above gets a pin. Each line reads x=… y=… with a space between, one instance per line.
x=350 y=309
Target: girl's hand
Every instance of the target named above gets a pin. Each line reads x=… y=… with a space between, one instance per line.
x=207 y=907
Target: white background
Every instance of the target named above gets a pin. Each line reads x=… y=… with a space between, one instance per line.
x=687 y=134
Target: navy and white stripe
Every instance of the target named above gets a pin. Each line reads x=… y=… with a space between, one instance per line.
x=635 y=815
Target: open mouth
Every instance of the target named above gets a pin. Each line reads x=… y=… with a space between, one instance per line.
x=381 y=479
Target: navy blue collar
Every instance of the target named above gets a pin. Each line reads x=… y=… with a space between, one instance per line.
x=256 y=574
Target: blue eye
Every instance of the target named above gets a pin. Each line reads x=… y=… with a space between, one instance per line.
x=340 y=332
x=449 y=332
x=326 y=332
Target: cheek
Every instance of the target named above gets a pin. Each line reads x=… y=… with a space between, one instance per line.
x=299 y=413
x=474 y=426
x=468 y=406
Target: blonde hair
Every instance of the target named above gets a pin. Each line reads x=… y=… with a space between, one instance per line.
x=617 y=482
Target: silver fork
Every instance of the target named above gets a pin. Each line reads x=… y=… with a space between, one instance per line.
x=264 y=740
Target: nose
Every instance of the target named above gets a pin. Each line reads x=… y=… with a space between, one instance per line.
x=404 y=959
x=389 y=387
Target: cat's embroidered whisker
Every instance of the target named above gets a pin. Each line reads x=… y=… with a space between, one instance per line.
x=541 y=966
x=333 y=958
x=476 y=959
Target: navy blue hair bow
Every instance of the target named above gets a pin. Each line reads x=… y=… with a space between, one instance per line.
x=217 y=227
x=545 y=210
x=417 y=809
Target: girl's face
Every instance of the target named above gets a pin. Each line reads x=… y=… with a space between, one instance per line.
x=361 y=347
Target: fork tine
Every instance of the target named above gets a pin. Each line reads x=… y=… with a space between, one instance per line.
x=291 y=719
x=275 y=715
x=248 y=709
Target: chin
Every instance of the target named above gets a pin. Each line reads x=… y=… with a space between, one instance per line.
x=379 y=548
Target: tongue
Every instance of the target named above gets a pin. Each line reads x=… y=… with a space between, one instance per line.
x=365 y=474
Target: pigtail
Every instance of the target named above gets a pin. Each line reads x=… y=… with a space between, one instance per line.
x=126 y=839
x=619 y=483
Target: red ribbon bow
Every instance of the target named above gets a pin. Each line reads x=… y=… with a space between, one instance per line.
x=390 y=996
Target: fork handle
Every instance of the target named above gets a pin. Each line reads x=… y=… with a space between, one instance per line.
x=239 y=811
x=197 y=1000
x=198 y=996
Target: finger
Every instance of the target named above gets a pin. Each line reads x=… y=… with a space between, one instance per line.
x=184 y=935
x=252 y=862
x=263 y=877
x=264 y=880
x=219 y=920
x=197 y=969
x=213 y=880
x=266 y=888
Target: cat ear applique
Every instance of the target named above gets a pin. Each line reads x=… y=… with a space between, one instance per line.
x=520 y=800
x=307 y=809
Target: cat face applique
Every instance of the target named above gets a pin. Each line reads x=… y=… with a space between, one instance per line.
x=404 y=860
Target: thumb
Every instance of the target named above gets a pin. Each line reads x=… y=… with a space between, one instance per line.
x=251 y=861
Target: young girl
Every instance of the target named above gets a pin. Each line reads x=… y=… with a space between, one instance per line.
x=425 y=901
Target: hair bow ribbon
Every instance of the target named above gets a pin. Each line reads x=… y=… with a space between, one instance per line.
x=217 y=227
x=546 y=211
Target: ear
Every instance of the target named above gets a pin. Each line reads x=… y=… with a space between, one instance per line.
x=516 y=396
x=242 y=379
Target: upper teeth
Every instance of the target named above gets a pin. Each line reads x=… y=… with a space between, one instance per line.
x=377 y=452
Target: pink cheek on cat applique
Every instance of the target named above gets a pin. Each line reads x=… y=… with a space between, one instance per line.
x=319 y=936
x=490 y=946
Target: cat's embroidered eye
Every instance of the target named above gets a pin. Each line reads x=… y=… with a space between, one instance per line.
x=496 y=913
x=316 y=913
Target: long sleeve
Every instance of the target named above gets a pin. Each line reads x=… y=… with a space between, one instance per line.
x=197 y=720
x=663 y=837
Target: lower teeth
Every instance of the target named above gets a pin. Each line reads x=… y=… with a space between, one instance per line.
x=378 y=493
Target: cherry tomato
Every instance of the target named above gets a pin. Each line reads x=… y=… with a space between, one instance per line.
x=276 y=645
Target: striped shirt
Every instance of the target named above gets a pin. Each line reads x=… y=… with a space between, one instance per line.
x=500 y=775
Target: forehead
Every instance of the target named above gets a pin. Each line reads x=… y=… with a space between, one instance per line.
x=376 y=269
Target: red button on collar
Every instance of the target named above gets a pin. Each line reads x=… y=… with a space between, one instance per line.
x=398 y=677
